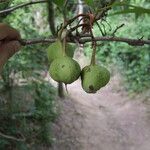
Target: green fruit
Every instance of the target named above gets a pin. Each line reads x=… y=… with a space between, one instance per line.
x=65 y=70
x=70 y=48
x=94 y=77
x=55 y=50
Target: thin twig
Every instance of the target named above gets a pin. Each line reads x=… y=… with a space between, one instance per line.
x=104 y=29
x=3 y=1
x=73 y=19
x=78 y=26
x=101 y=14
x=11 y=137
x=23 y=115
x=7 y=11
x=100 y=28
x=110 y=28
x=117 y=28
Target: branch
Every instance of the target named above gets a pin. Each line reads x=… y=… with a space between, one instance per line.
x=2 y=1
x=132 y=42
x=83 y=39
x=36 y=41
x=11 y=137
x=76 y=27
x=51 y=18
x=68 y=22
x=7 y=11
x=101 y=14
x=23 y=115
x=117 y=28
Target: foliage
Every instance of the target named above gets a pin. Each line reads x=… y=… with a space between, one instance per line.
x=134 y=61
x=32 y=112
x=27 y=96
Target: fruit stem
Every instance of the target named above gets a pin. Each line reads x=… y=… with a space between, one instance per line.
x=63 y=40
x=64 y=46
x=66 y=88
x=93 y=53
x=60 y=33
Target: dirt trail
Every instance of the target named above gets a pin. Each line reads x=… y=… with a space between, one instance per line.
x=107 y=120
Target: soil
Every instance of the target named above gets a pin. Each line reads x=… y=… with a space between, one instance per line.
x=107 y=120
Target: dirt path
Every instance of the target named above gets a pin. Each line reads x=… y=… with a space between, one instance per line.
x=107 y=120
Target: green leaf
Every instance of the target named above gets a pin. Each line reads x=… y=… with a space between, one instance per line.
x=89 y=2
x=59 y=3
x=137 y=10
x=4 y=5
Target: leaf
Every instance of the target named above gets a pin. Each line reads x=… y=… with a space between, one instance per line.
x=54 y=51
x=137 y=10
x=89 y=2
x=59 y=3
x=4 y=5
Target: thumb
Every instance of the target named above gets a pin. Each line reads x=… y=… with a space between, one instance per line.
x=11 y=48
x=7 y=50
x=7 y=32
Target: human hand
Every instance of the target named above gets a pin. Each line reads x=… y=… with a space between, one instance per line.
x=9 y=43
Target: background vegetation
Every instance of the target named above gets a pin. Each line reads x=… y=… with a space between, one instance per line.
x=27 y=101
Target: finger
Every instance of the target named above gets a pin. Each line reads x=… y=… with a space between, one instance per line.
x=7 y=50
x=11 y=47
x=8 y=33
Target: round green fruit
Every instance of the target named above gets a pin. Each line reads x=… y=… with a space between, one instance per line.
x=55 y=50
x=70 y=48
x=65 y=70
x=94 y=77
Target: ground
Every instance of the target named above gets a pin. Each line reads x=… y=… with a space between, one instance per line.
x=107 y=120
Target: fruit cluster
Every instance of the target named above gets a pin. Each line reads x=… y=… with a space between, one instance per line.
x=63 y=68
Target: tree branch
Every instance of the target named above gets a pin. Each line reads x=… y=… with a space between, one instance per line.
x=51 y=18
x=37 y=41
x=132 y=42
x=11 y=137
x=83 y=39
x=7 y=11
x=101 y=14
x=117 y=28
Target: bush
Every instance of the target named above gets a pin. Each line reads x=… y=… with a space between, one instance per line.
x=33 y=111
x=27 y=101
